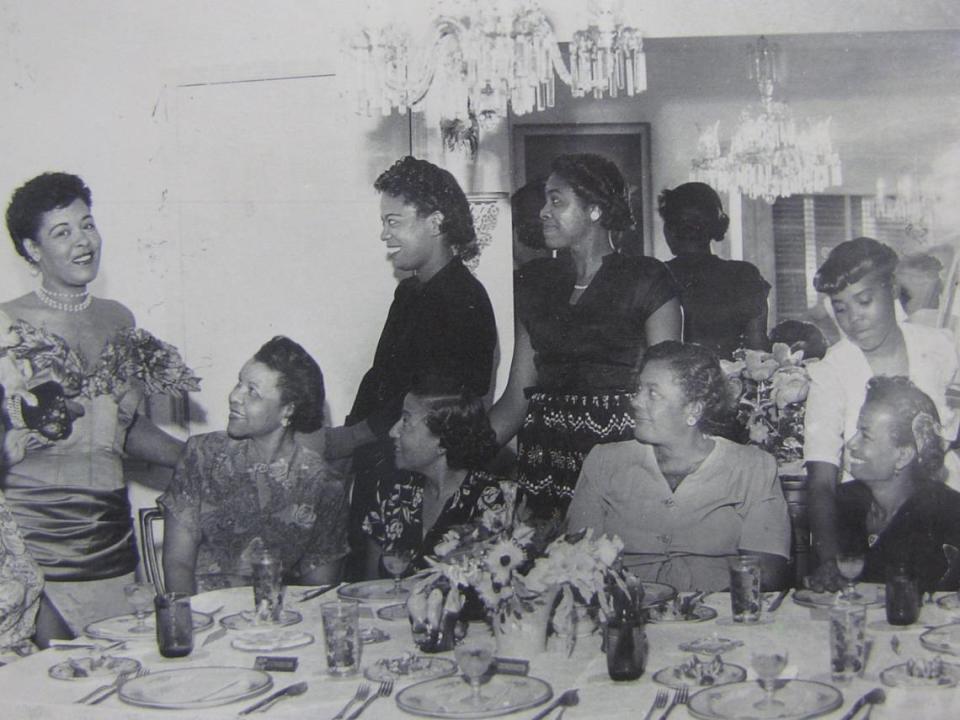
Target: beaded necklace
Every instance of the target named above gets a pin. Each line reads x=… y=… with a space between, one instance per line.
x=50 y=300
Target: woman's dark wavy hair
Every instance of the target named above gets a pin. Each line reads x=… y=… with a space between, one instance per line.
x=915 y=419
x=694 y=212
x=851 y=261
x=432 y=189
x=301 y=381
x=697 y=372
x=37 y=196
x=597 y=181
x=459 y=419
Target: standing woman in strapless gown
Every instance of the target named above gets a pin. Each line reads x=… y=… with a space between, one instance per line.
x=68 y=496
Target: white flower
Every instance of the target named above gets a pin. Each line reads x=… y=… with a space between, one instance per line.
x=449 y=543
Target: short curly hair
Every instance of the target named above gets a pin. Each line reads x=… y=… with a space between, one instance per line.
x=597 y=181
x=915 y=419
x=694 y=212
x=851 y=261
x=459 y=419
x=301 y=381
x=39 y=195
x=697 y=372
x=432 y=189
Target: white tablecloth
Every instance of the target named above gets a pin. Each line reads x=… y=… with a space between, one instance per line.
x=26 y=690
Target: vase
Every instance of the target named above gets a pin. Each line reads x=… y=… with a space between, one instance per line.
x=525 y=636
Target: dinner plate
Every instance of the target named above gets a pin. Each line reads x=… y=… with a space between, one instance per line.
x=655 y=593
x=701 y=613
x=949 y=602
x=675 y=677
x=118 y=627
x=99 y=666
x=410 y=667
x=247 y=620
x=873 y=594
x=735 y=701
x=450 y=697
x=899 y=676
x=194 y=688
x=375 y=590
x=397 y=611
x=944 y=638
x=271 y=640
x=712 y=645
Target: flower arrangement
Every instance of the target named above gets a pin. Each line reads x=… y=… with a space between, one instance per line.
x=771 y=388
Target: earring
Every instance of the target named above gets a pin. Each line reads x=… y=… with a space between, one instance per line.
x=285 y=421
x=34 y=270
x=691 y=420
x=594 y=214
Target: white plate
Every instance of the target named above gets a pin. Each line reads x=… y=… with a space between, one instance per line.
x=734 y=701
x=246 y=620
x=712 y=645
x=873 y=594
x=194 y=688
x=397 y=611
x=118 y=627
x=949 y=602
x=101 y=666
x=410 y=667
x=674 y=677
x=898 y=676
x=376 y=590
x=270 y=640
x=445 y=697
x=945 y=638
x=701 y=613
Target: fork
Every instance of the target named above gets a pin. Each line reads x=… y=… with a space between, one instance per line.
x=109 y=686
x=659 y=702
x=139 y=674
x=385 y=690
x=680 y=696
x=359 y=696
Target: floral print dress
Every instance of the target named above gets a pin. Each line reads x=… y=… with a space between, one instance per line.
x=20 y=584
x=397 y=520
x=296 y=507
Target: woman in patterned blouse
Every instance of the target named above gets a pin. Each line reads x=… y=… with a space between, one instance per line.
x=443 y=437
x=255 y=486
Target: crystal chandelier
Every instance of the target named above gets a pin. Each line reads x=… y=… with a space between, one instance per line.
x=477 y=59
x=771 y=154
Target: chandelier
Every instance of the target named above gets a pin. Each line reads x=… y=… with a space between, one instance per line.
x=911 y=206
x=771 y=154
x=476 y=60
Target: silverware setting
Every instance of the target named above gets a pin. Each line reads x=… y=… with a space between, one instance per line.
x=363 y=691
x=142 y=672
x=875 y=697
x=680 y=697
x=659 y=703
x=109 y=689
x=316 y=592
x=290 y=691
x=214 y=636
x=568 y=698
x=88 y=646
x=385 y=690
x=775 y=603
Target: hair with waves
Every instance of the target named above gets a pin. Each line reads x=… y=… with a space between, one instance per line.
x=597 y=181
x=459 y=419
x=851 y=261
x=694 y=212
x=916 y=422
x=39 y=195
x=300 y=383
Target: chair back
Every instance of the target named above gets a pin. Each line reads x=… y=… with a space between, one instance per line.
x=149 y=551
x=801 y=557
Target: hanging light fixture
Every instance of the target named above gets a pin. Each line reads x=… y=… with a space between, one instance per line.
x=476 y=60
x=771 y=154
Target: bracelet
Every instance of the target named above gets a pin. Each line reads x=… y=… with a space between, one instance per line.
x=15 y=411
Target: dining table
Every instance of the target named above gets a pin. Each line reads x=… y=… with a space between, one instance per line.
x=28 y=690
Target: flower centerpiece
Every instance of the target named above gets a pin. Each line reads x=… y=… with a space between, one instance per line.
x=517 y=572
x=771 y=388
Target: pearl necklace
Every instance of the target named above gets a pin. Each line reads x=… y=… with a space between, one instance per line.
x=48 y=298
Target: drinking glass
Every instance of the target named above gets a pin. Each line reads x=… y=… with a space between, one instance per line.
x=267 y=587
x=768 y=664
x=396 y=561
x=174 y=624
x=140 y=596
x=745 y=588
x=474 y=656
x=848 y=643
x=850 y=566
x=341 y=634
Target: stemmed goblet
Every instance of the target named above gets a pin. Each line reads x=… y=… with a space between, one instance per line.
x=396 y=560
x=850 y=566
x=768 y=664
x=140 y=596
x=474 y=656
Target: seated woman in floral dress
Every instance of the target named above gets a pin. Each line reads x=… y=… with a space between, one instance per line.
x=896 y=511
x=681 y=499
x=444 y=436
x=255 y=487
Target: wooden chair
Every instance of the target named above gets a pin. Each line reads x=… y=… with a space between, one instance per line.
x=149 y=551
x=801 y=559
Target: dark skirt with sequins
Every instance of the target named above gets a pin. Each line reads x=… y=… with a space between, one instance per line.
x=557 y=433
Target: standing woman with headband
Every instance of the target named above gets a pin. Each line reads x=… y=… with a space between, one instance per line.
x=724 y=301
x=584 y=320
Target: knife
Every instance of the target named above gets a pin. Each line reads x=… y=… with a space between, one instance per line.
x=777 y=600
x=317 y=592
x=295 y=689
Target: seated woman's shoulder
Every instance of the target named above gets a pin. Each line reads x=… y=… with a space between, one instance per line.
x=746 y=455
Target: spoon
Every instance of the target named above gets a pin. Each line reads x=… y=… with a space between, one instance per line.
x=874 y=697
x=569 y=698
x=290 y=691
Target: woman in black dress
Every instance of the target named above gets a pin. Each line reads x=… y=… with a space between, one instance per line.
x=724 y=301
x=584 y=320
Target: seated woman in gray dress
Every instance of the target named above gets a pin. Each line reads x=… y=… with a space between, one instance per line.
x=681 y=499
x=896 y=511
x=255 y=486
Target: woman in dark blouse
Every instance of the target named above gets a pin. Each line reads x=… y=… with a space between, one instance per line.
x=443 y=438
x=584 y=319
x=724 y=301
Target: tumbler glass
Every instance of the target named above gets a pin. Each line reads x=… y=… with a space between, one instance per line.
x=848 y=644
x=745 y=588
x=174 y=624
x=267 y=587
x=341 y=632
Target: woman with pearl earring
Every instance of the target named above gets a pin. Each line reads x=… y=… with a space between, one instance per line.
x=584 y=319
